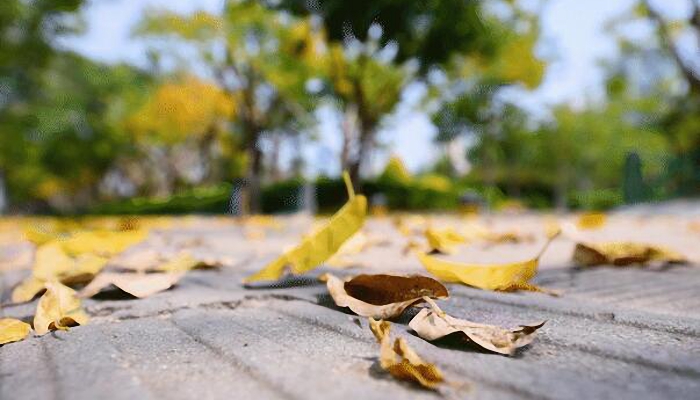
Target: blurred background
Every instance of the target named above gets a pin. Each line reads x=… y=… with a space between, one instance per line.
x=167 y=107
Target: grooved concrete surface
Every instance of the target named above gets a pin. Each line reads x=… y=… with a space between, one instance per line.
x=618 y=333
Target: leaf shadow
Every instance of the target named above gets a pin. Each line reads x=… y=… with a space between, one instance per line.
x=286 y=282
x=113 y=294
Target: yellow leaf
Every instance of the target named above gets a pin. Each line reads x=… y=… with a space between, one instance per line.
x=382 y=296
x=137 y=284
x=402 y=361
x=444 y=241
x=433 y=324
x=323 y=243
x=184 y=262
x=105 y=243
x=591 y=220
x=53 y=264
x=624 y=253
x=503 y=277
x=28 y=289
x=58 y=308
x=12 y=330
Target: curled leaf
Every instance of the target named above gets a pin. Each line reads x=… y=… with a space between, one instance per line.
x=382 y=296
x=137 y=284
x=401 y=361
x=624 y=253
x=444 y=241
x=503 y=277
x=13 y=330
x=323 y=243
x=433 y=324
x=58 y=308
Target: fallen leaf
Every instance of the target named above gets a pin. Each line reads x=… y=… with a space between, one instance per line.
x=137 y=284
x=433 y=324
x=444 y=241
x=58 y=308
x=401 y=361
x=184 y=262
x=507 y=237
x=28 y=289
x=591 y=220
x=320 y=246
x=51 y=263
x=624 y=253
x=382 y=296
x=502 y=277
x=13 y=330
x=105 y=243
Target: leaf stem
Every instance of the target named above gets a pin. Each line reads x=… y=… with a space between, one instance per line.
x=546 y=245
x=434 y=306
x=348 y=184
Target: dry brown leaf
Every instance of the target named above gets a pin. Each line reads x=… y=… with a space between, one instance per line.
x=433 y=324
x=58 y=308
x=382 y=296
x=137 y=284
x=13 y=330
x=401 y=361
x=624 y=253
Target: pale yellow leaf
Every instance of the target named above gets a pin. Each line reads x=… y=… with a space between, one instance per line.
x=58 y=308
x=444 y=241
x=13 y=330
x=137 y=284
x=433 y=324
x=624 y=253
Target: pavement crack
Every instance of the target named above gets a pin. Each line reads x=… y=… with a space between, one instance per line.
x=108 y=313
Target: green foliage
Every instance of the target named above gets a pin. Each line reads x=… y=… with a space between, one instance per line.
x=598 y=199
x=432 y=31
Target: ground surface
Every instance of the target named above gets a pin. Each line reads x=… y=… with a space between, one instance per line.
x=619 y=333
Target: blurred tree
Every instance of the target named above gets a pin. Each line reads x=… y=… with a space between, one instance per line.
x=189 y=113
x=659 y=76
x=260 y=58
x=27 y=30
x=471 y=86
x=367 y=89
x=71 y=131
x=375 y=48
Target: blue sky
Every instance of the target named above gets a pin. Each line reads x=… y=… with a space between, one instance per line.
x=573 y=41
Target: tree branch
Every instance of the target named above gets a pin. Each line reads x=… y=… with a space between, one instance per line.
x=667 y=42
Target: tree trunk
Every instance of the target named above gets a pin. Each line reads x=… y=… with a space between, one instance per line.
x=349 y=130
x=253 y=172
x=3 y=194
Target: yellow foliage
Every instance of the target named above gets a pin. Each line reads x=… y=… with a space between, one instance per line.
x=178 y=110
